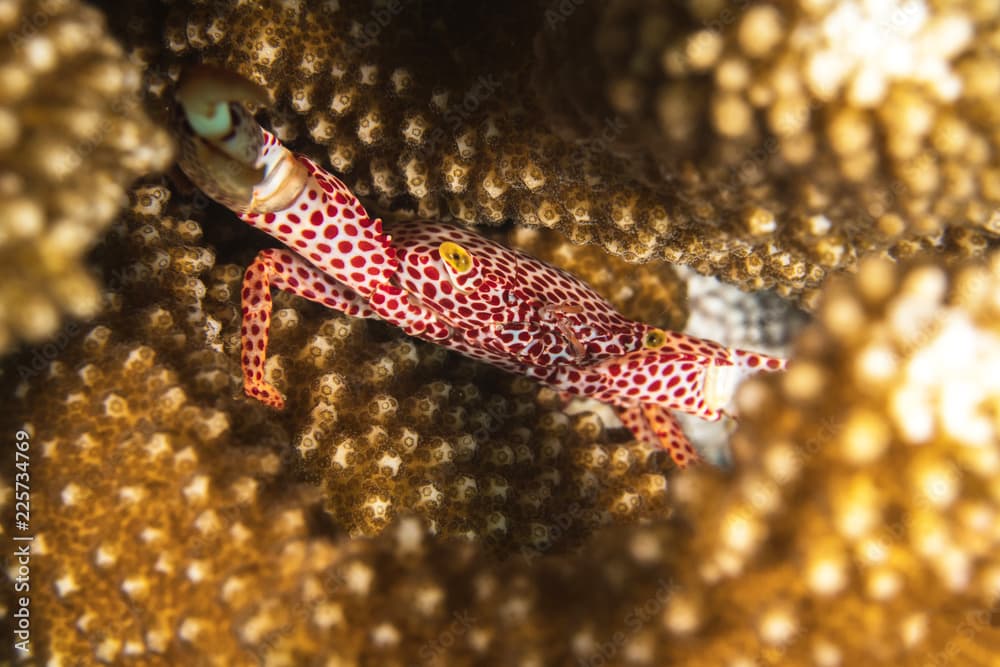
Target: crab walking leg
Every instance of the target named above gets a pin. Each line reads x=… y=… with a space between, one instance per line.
x=670 y=435
x=687 y=382
x=718 y=354
x=676 y=381
x=546 y=340
x=634 y=419
x=287 y=271
x=646 y=385
x=555 y=313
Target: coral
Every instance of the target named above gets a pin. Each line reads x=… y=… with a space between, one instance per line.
x=748 y=143
x=869 y=471
x=801 y=134
x=148 y=524
x=140 y=419
x=177 y=521
x=73 y=135
x=468 y=449
x=412 y=507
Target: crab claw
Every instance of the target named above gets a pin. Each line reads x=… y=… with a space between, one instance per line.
x=223 y=149
x=697 y=384
x=204 y=93
x=649 y=383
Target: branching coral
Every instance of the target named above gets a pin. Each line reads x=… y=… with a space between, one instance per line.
x=802 y=134
x=863 y=490
x=179 y=523
x=73 y=135
x=756 y=144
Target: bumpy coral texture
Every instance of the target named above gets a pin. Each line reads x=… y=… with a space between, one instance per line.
x=859 y=524
x=73 y=135
x=803 y=134
x=768 y=144
x=866 y=481
x=151 y=432
x=177 y=522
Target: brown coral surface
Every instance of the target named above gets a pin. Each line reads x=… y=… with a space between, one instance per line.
x=174 y=522
x=140 y=421
x=73 y=135
x=765 y=143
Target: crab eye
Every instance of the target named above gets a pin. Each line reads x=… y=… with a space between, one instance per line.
x=654 y=339
x=457 y=257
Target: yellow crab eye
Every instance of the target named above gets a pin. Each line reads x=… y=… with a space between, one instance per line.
x=654 y=339
x=458 y=258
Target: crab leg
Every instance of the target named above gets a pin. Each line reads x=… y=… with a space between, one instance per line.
x=287 y=271
x=533 y=344
x=656 y=426
x=755 y=361
x=718 y=354
x=555 y=313
x=687 y=382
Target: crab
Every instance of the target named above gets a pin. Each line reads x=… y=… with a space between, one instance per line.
x=437 y=282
